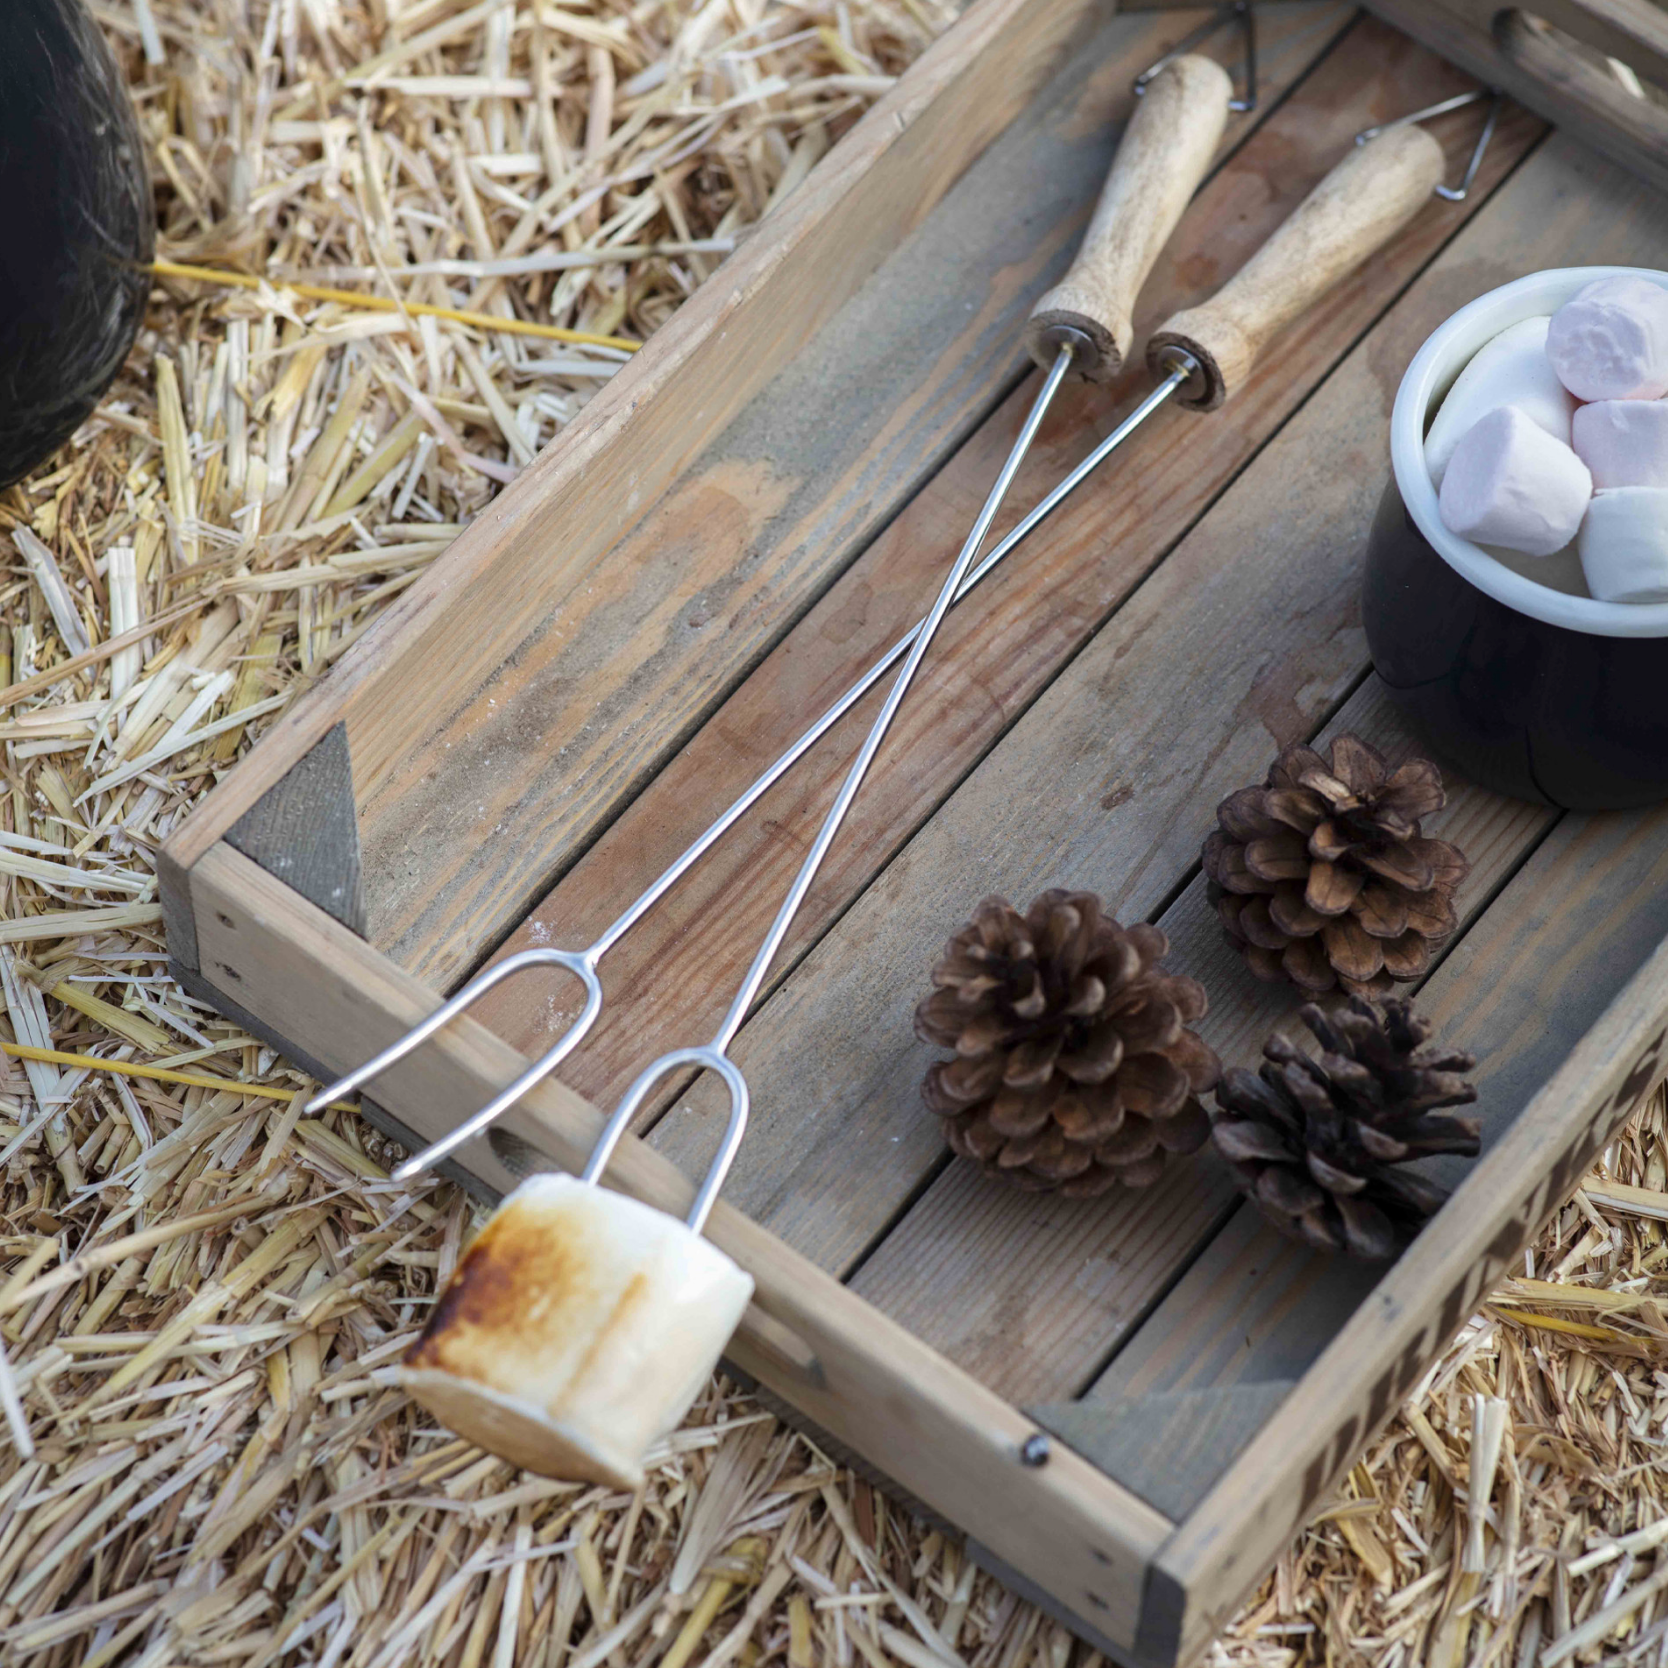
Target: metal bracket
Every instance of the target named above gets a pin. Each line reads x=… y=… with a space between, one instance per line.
x=1235 y=9
x=1450 y=193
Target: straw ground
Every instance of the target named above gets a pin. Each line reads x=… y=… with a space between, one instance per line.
x=202 y=1291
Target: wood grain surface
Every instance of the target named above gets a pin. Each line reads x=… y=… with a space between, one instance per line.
x=1109 y=779
x=463 y=832
x=667 y=983
x=540 y=562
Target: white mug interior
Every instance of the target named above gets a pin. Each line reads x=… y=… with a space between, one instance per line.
x=1431 y=374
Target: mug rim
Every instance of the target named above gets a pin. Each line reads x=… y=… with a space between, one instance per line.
x=1446 y=351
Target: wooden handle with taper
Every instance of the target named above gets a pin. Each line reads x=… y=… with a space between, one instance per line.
x=1356 y=209
x=1165 y=151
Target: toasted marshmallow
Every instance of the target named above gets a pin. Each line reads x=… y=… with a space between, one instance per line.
x=579 y=1327
x=1512 y=369
x=1610 y=341
x=1623 y=442
x=1509 y=483
x=1624 y=545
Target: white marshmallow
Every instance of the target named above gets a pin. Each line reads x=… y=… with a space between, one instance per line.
x=1510 y=483
x=1512 y=369
x=578 y=1327
x=1624 y=545
x=1623 y=442
x=1610 y=342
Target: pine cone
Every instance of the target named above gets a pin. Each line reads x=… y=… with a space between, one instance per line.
x=1322 y=877
x=1314 y=1142
x=1074 y=1065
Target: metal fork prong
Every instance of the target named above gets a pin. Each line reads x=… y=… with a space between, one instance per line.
x=706 y=1058
x=582 y=966
x=443 y=1015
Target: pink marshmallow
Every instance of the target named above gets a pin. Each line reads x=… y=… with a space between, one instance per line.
x=1509 y=483
x=1623 y=442
x=1610 y=342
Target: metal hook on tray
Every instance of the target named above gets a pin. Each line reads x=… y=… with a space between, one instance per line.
x=1450 y=193
x=1240 y=9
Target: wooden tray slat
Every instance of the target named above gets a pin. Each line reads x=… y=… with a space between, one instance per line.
x=1561 y=198
x=1571 y=1041
x=530 y=568
x=462 y=835
x=1110 y=780
x=665 y=981
x=1514 y=990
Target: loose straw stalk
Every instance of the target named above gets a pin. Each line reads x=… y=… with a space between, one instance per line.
x=386 y=304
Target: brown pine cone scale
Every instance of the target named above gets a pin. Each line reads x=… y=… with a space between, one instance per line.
x=1322 y=876
x=1074 y=1068
x=1315 y=1142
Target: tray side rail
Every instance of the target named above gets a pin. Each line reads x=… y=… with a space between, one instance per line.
x=947 y=1440
x=1374 y=1361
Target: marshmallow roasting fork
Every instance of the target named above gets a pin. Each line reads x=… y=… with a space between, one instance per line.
x=581 y=1323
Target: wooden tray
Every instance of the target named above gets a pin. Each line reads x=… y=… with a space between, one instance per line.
x=732 y=530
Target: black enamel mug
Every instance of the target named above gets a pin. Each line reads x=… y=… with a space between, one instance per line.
x=75 y=204
x=1510 y=669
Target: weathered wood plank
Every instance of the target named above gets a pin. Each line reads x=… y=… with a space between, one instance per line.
x=1060 y=1285
x=1517 y=990
x=945 y=1438
x=666 y=983
x=1158 y=1442
x=1110 y=778
x=462 y=834
x=1562 y=991
x=529 y=569
x=1557 y=202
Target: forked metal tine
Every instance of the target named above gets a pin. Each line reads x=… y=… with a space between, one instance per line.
x=1451 y=193
x=706 y=1058
x=1240 y=9
x=580 y=963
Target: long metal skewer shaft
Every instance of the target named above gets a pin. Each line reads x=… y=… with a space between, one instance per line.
x=582 y=963
x=749 y=796
x=714 y=1055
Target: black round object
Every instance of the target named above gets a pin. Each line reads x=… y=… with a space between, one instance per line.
x=1531 y=709
x=77 y=226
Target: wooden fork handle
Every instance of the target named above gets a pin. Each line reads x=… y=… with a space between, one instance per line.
x=1355 y=210
x=1165 y=151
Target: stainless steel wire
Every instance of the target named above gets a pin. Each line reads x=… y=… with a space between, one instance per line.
x=583 y=963
x=1239 y=10
x=1451 y=193
x=713 y=1056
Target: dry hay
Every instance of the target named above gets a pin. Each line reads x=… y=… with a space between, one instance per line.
x=200 y=1290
